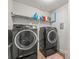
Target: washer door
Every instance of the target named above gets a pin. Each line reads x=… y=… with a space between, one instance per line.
x=52 y=36
x=25 y=39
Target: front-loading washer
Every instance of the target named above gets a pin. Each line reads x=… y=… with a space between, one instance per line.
x=48 y=40
x=24 y=42
x=9 y=44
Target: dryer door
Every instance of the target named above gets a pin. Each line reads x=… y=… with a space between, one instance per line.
x=52 y=36
x=25 y=39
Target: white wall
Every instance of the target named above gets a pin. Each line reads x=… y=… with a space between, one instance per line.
x=25 y=10
x=10 y=8
x=22 y=9
x=64 y=35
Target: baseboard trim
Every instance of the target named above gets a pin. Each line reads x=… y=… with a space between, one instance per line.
x=61 y=53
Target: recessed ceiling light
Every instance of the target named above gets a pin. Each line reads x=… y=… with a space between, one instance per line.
x=47 y=1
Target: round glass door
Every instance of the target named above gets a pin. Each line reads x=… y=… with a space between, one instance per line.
x=52 y=35
x=25 y=39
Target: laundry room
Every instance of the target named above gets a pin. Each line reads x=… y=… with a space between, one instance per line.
x=38 y=29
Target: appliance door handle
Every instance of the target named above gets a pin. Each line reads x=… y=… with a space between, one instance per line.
x=10 y=45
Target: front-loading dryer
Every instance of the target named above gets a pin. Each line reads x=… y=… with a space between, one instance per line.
x=24 y=42
x=48 y=40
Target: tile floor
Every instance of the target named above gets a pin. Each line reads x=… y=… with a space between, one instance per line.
x=55 y=56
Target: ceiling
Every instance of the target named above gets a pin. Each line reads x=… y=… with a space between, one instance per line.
x=43 y=4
